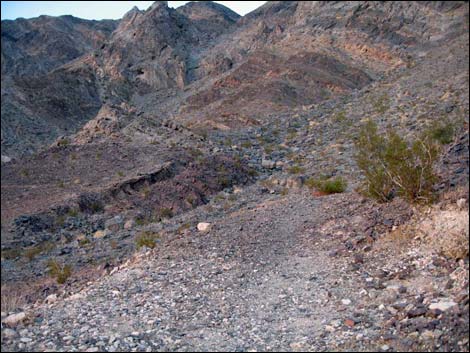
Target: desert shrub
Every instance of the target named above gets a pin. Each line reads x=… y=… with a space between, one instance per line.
x=442 y=131
x=392 y=166
x=11 y=254
x=63 y=142
x=148 y=239
x=327 y=186
x=246 y=144
x=83 y=242
x=296 y=169
x=72 y=212
x=60 y=272
x=382 y=104
x=32 y=252
x=166 y=213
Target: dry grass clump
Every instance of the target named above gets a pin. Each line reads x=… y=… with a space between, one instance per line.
x=447 y=232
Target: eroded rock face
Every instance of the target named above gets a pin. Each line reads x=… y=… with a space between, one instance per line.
x=58 y=72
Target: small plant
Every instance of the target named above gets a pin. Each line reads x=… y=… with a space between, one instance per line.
x=90 y=203
x=228 y=142
x=284 y=191
x=165 y=213
x=148 y=239
x=195 y=152
x=120 y=174
x=442 y=131
x=183 y=227
x=268 y=149
x=60 y=221
x=32 y=252
x=83 y=242
x=382 y=104
x=223 y=181
x=328 y=186
x=392 y=166
x=59 y=272
x=246 y=144
x=252 y=172
x=10 y=254
x=24 y=173
x=340 y=117
x=72 y=212
x=63 y=142
x=296 y=169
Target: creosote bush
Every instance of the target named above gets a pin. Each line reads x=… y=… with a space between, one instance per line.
x=59 y=272
x=393 y=166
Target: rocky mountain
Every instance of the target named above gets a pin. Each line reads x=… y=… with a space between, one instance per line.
x=197 y=133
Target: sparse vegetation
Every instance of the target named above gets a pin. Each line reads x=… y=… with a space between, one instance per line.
x=326 y=185
x=83 y=242
x=442 y=131
x=295 y=169
x=147 y=239
x=31 y=252
x=60 y=272
x=63 y=142
x=246 y=144
x=11 y=254
x=183 y=227
x=90 y=203
x=392 y=166
x=72 y=212
x=381 y=104
x=165 y=213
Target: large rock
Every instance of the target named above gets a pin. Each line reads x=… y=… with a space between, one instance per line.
x=14 y=319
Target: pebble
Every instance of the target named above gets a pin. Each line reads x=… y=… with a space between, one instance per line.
x=203 y=227
x=442 y=305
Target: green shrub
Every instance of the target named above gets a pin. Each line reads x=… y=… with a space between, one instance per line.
x=393 y=166
x=166 y=213
x=59 y=272
x=442 y=131
x=296 y=169
x=147 y=239
x=327 y=186
x=382 y=104
x=63 y=142
x=246 y=144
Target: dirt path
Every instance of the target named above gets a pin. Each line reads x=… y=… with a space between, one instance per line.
x=274 y=274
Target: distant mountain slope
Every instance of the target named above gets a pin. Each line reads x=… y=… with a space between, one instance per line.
x=204 y=66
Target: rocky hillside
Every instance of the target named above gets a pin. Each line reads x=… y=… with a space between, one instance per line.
x=168 y=160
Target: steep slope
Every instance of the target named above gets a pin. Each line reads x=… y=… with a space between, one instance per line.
x=39 y=103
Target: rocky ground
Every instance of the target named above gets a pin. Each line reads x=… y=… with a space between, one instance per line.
x=241 y=254
x=272 y=272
